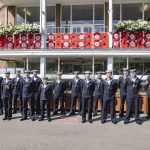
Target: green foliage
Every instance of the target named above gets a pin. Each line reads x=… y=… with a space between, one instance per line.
x=19 y=29
x=131 y=25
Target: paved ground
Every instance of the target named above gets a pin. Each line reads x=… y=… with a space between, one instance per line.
x=70 y=134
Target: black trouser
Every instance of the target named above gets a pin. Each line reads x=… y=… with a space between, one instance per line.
x=7 y=103
x=1 y=105
x=111 y=103
x=36 y=97
x=122 y=103
x=73 y=103
x=15 y=98
x=25 y=106
x=85 y=101
x=43 y=103
x=148 y=113
x=130 y=101
x=62 y=108
x=96 y=98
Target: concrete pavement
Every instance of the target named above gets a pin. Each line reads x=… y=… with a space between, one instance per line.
x=70 y=134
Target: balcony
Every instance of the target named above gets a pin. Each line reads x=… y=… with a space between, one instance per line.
x=72 y=40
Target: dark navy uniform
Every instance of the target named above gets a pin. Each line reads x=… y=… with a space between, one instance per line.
x=6 y=94
x=28 y=86
x=123 y=94
x=17 y=93
x=110 y=88
x=132 y=87
x=59 y=86
x=36 y=95
x=87 y=99
x=75 y=86
x=45 y=91
x=1 y=102
x=148 y=94
x=98 y=94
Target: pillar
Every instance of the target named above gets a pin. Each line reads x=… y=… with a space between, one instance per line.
x=43 y=32
x=93 y=67
x=42 y=66
x=128 y=62
x=43 y=22
x=2 y=13
x=27 y=63
x=57 y=17
x=58 y=64
x=110 y=12
x=110 y=63
x=106 y=17
x=11 y=15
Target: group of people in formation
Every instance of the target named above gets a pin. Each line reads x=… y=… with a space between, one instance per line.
x=35 y=94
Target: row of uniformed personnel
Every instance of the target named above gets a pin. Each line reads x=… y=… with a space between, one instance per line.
x=39 y=92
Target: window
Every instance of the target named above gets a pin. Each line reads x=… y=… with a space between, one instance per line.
x=50 y=14
x=119 y=63
x=65 y=15
x=99 y=14
x=82 y=14
x=33 y=14
x=136 y=63
x=20 y=15
x=147 y=12
x=132 y=11
x=116 y=13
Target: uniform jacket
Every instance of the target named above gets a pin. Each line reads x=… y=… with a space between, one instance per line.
x=121 y=85
x=1 y=79
x=17 y=85
x=75 y=86
x=99 y=87
x=87 y=88
x=110 y=89
x=6 y=88
x=38 y=82
x=59 y=88
x=45 y=92
x=131 y=87
x=28 y=87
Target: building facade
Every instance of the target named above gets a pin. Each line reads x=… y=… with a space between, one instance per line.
x=74 y=17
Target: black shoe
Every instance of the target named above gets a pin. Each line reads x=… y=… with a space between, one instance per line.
x=114 y=121
x=80 y=113
x=126 y=121
x=84 y=120
x=1 y=112
x=49 y=119
x=9 y=118
x=55 y=113
x=14 y=111
x=71 y=114
x=147 y=117
x=131 y=116
x=22 y=119
x=4 y=118
x=90 y=121
x=32 y=118
x=103 y=121
x=63 y=113
x=139 y=121
x=41 y=119
x=121 y=115
x=95 y=114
